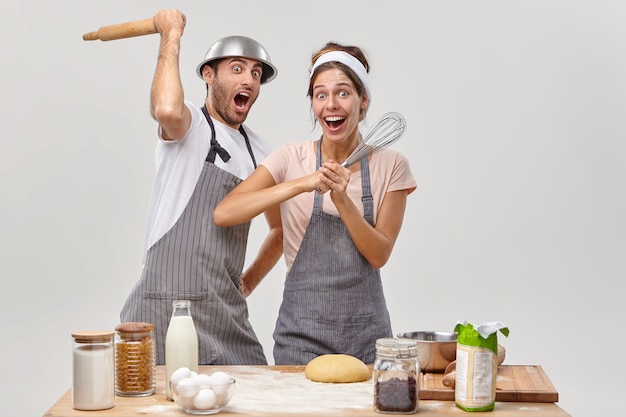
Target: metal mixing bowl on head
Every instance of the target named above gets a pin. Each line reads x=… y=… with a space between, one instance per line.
x=435 y=350
x=240 y=46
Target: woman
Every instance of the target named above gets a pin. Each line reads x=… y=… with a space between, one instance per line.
x=339 y=224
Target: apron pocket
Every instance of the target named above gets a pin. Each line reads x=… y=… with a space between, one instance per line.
x=346 y=320
x=165 y=295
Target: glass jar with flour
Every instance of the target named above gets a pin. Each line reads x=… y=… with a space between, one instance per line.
x=93 y=383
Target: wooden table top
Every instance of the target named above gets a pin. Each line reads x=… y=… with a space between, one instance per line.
x=279 y=391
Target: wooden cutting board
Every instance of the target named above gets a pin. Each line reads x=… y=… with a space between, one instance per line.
x=523 y=383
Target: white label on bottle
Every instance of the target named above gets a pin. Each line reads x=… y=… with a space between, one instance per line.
x=460 y=383
x=482 y=378
x=475 y=376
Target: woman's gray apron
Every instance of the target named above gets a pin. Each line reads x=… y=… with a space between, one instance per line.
x=333 y=300
x=199 y=261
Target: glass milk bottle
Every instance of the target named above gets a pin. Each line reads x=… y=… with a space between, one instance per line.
x=93 y=385
x=181 y=342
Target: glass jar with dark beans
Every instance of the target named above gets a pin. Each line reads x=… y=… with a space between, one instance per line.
x=396 y=390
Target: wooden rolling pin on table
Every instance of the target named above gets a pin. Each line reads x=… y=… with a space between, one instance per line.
x=281 y=391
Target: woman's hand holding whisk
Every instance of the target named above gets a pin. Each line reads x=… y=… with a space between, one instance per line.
x=334 y=177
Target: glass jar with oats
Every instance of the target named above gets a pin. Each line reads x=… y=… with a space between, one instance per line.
x=135 y=359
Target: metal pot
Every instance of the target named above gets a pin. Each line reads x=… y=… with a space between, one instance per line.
x=435 y=350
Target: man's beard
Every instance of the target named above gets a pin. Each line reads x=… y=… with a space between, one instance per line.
x=221 y=104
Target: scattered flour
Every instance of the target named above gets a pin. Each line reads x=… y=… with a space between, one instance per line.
x=292 y=393
x=158 y=409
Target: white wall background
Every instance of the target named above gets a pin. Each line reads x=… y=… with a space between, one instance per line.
x=516 y=137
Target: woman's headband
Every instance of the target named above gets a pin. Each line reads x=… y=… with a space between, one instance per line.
x=348 y=60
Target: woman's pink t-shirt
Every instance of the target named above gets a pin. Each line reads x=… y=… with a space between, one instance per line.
x=389 y=171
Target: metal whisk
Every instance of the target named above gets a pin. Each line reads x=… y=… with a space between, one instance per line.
x=387 y=130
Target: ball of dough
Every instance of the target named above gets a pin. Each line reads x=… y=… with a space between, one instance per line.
x=337 y=368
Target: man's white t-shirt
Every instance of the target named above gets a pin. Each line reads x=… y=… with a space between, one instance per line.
x=179 y=164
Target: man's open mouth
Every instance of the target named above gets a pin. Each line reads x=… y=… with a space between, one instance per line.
x=241 y=100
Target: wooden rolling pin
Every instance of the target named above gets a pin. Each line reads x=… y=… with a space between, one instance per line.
x=122 y=30
x=449 y=377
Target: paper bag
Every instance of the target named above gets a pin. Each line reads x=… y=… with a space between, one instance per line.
x=476 y=365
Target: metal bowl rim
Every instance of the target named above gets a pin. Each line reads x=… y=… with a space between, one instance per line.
x=429 y=336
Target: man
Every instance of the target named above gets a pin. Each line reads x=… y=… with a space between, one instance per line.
x=202 y=154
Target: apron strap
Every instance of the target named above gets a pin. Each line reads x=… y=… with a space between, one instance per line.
x=317 y=201
x=367 y=199
x=216 y=148
x=245 y=136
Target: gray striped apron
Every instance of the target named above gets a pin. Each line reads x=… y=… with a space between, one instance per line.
x=199 y=261
x=333 y=299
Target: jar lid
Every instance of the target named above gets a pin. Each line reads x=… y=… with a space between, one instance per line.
x=134 y=327
x=396 y=347
x=86 y=336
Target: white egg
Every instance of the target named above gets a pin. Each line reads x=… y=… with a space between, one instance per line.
x=187 y=387
x=204 y=399
x=220 y=382
x=179 y=374
x=220 y=378
x=203 y=380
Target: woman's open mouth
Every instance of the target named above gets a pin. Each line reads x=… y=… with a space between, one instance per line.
x=334 y=122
